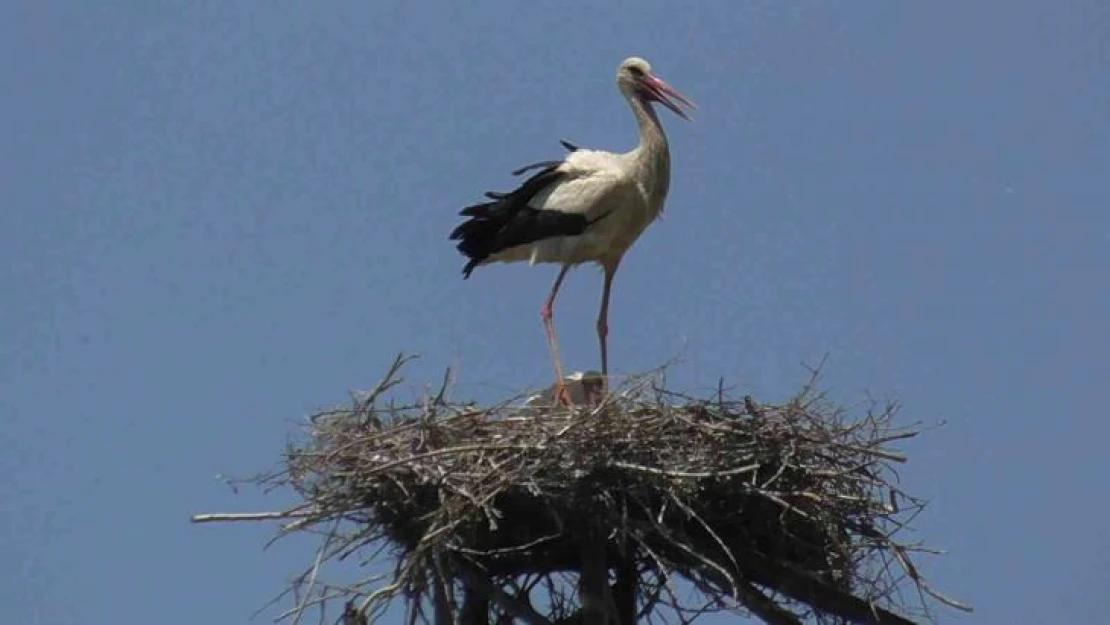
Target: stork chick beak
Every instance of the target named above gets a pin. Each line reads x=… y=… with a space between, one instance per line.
x=663 y=93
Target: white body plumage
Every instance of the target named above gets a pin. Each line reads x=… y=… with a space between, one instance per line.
x=619 y=193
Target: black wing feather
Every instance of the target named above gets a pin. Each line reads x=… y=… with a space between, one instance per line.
x=509 y=221
x=539 y=165
x=568 y=145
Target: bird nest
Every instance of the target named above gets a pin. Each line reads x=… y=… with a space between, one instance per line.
x=596 y=514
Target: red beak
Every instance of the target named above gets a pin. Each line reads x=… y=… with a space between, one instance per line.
x=663 y=93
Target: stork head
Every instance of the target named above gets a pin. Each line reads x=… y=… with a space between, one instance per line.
x=635 y=79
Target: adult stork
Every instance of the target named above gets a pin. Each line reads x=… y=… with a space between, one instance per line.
x=590 y=206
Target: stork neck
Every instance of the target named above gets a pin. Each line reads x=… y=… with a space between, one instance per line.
x=652 y=156
x=652 y=138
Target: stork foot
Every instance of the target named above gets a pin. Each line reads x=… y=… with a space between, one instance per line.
x=562 y=395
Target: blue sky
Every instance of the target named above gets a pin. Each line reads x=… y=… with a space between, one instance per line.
x=217 y=217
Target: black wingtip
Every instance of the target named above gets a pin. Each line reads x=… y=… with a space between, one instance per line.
x=508 y=220
x=568 y=145
x=540 y=165
x=476 y=210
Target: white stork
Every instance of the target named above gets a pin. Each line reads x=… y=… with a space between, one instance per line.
x=589 y=207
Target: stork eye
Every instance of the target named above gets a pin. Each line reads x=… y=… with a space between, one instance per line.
x=636 y=72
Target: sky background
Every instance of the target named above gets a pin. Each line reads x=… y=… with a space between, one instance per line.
x=216 y=217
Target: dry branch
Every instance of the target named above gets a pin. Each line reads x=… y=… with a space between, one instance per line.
x=782 y=511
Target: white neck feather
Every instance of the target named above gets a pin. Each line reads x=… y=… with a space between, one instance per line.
x=652 y=157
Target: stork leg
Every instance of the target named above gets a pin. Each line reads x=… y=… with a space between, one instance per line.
x=610 y=269
x=561 y=394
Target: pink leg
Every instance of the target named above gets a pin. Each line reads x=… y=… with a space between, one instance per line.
x=546 y=314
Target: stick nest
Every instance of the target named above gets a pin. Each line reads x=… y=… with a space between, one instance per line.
x=787 y=512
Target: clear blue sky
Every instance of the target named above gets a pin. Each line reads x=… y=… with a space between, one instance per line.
x=219 y=216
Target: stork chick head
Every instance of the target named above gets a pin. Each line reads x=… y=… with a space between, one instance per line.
x=635 y=80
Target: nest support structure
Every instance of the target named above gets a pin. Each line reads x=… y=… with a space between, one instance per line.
x=649 y=507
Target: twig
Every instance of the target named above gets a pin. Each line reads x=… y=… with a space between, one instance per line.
x=219 y=517
x=763 y=607
x=686 y=474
